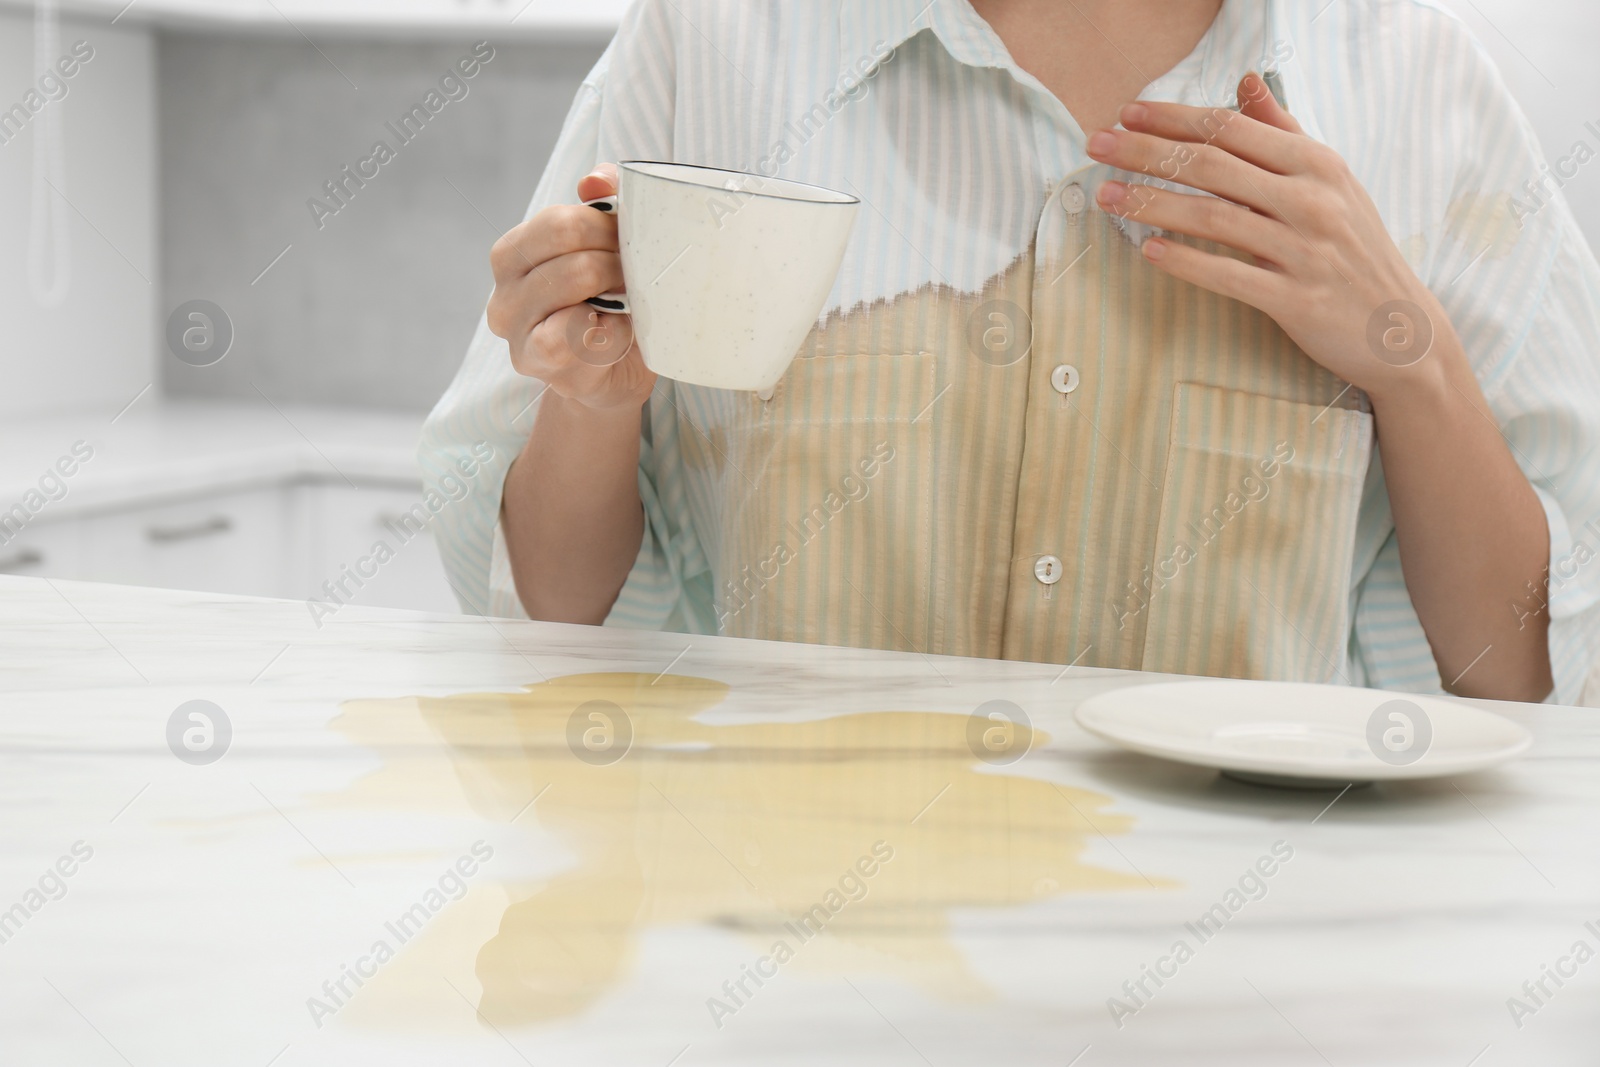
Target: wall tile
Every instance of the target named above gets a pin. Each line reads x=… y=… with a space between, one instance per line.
x=374 y=306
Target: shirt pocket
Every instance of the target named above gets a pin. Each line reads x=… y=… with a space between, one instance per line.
x=828 y=503
x=1251 y=575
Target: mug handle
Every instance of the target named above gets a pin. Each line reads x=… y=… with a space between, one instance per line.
x=610 y=303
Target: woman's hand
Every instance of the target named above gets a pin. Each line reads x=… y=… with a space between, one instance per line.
x=1324 y=266
x=544 y=270
x=1471 y=531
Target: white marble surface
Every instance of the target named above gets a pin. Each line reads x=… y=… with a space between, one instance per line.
x=219 y=898
x=155 y=450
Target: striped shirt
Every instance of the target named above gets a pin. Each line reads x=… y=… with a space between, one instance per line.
x=969 y=171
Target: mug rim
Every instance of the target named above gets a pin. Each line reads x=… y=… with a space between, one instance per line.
x=842 y=199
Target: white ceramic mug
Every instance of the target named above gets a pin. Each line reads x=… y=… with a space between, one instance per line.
x=725 y=272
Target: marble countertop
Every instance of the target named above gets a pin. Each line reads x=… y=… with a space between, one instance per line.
x=435 y=839
x=155 y=450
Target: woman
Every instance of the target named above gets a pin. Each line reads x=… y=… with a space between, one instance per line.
x=1111 y=376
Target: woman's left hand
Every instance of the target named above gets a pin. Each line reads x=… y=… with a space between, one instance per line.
x=1324 y=266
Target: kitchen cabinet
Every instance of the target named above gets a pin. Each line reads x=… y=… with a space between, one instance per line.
x=300 y=538
x=51 y=548
x=213 y=497
x=238 y=542
x=347 y=524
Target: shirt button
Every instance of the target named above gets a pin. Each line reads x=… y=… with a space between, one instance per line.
x=1072 y=198
x=1064 y=379
x=1048 y=569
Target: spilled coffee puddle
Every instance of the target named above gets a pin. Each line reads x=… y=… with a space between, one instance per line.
x=765 y=829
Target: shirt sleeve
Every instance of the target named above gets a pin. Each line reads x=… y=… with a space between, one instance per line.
x=1521 y=288
x=1550 y=412
x=623 y=110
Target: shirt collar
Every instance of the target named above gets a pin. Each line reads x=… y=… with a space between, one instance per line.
x=868 y=29
x=1246 y=35
x=1209 y=75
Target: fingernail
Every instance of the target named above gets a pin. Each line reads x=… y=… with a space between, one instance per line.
x=1154 y=249
x=1134 y=113
x=1102 y=143
x=1113 y=193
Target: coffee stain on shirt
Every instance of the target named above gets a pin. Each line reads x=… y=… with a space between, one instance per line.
x=751 y=827
x=1485 y=224
x=1414 y=249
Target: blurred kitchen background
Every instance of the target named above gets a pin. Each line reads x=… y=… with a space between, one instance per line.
x=156 y=205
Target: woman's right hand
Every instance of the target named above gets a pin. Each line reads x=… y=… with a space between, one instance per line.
x=544 y=270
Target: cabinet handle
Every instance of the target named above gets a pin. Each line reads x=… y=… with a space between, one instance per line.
x=219 y=524
x=21 y=561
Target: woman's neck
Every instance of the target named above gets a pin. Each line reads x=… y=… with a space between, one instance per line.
x=1097 y=55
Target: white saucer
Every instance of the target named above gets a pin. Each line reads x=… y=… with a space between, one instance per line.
x=1296 y=734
